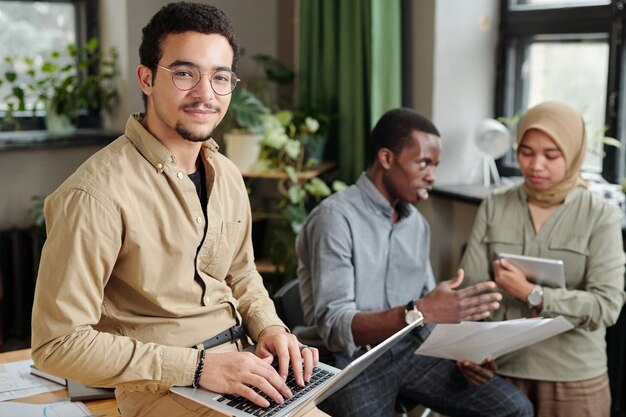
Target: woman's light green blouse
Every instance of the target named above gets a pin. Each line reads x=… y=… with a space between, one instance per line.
x=585 y=232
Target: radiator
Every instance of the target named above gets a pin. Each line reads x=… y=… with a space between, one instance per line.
x=20 y=250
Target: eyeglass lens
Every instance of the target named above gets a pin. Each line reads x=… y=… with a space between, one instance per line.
x=186 y=77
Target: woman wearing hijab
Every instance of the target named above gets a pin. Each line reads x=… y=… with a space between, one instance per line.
x=552 y=215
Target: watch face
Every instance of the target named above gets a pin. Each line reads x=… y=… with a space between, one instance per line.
x=412 y=315
x=534 y=298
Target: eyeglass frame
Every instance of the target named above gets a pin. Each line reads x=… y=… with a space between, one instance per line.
x=210 y=74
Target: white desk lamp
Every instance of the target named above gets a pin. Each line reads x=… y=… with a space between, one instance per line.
x=493 y=140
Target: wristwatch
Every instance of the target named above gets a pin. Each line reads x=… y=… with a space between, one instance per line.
x=412 y=314
x=535 y=297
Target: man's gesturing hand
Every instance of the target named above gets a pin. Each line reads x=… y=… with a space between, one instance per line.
x=240 y=372
x=444 y=304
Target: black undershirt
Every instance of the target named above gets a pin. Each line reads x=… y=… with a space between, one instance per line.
x=199 y=180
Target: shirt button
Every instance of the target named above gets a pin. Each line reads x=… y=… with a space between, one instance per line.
x=180 y=175
x=198 y=219
x=160 y=165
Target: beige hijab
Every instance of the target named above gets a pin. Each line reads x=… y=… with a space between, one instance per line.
x=566 y=127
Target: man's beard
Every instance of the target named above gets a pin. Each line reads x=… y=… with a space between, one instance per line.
x=187 y=135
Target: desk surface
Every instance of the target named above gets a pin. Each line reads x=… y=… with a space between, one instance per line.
x=107 y=407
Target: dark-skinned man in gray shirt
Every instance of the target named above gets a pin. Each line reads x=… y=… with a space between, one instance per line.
x=364 y=272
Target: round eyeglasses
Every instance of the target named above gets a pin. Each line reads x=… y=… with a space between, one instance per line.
x=186 y=77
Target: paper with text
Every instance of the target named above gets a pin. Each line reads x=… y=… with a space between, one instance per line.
x=16 y=381
x=474 y=341
x=56 y=409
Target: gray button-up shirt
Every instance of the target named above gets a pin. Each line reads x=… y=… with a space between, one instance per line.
x=352 y=258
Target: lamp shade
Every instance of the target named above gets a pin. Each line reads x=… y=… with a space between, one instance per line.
x=493 y=138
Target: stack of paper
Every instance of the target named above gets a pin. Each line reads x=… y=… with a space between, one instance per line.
x=474 y=341
x=17 y=382
x=56 y=409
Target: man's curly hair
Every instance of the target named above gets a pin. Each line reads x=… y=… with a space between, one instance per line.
x=184 y=17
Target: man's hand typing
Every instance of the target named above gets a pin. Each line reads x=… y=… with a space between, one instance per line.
x=285 y=347
x=240 y=372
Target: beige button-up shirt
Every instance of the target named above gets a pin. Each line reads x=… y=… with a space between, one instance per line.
x=128 y=280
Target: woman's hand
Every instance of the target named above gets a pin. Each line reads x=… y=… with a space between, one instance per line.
x=475 y=374
x=511 y=280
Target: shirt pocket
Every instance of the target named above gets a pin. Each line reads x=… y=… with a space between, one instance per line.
x=503 y=240
x=221 y=242
x=573 y=251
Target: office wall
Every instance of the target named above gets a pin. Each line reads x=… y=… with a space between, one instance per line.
x=454 y=64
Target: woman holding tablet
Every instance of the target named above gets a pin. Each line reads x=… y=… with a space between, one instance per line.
x=552 y=215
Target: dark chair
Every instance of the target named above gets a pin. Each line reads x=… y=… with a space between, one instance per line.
x=289 y=309
x=288 y=304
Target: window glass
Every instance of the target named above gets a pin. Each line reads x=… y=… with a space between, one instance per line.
x=35 y=29
x=556 y=72
x=571 y=71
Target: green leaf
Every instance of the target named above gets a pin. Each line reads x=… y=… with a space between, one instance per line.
x=48 y=67
x=317 y=188
x=339 y=185
x=246 y=110
x=10 y=76
x=296 y=194
x=291 y=173
x=609 y=141
x=92 y=44
x=274 y=70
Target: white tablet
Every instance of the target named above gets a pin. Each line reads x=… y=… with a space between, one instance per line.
x=543 y=271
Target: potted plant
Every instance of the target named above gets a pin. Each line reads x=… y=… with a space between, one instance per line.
x=282 y=151
x=64 y=84
x=243 y=127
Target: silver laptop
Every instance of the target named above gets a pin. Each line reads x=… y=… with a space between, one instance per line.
x=324 y=382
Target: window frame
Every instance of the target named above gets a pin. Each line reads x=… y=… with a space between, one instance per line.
x=87 y=26
x=518 y=23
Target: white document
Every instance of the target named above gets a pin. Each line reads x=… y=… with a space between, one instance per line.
x=474 y=341
x=55 y=409
x=16 y=381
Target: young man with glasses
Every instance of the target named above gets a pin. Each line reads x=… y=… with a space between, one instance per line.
x=147 y=278
x=364 y=273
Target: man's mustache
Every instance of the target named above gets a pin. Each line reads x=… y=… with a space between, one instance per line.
x=201 y=105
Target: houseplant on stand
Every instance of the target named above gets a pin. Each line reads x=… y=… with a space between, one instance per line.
x=282 y=151
x=65 y=85
x=243 y=126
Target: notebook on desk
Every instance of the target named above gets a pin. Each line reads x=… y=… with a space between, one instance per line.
x=325 y=381
x=82 y=392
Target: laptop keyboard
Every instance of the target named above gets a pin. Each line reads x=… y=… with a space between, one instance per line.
x=317 y=377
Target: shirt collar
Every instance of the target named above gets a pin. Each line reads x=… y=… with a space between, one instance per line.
x=152 y=149
x=568 y=198
x=379 y=202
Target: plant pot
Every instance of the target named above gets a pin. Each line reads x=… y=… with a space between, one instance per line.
x=58 y=124
x=243 y=148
